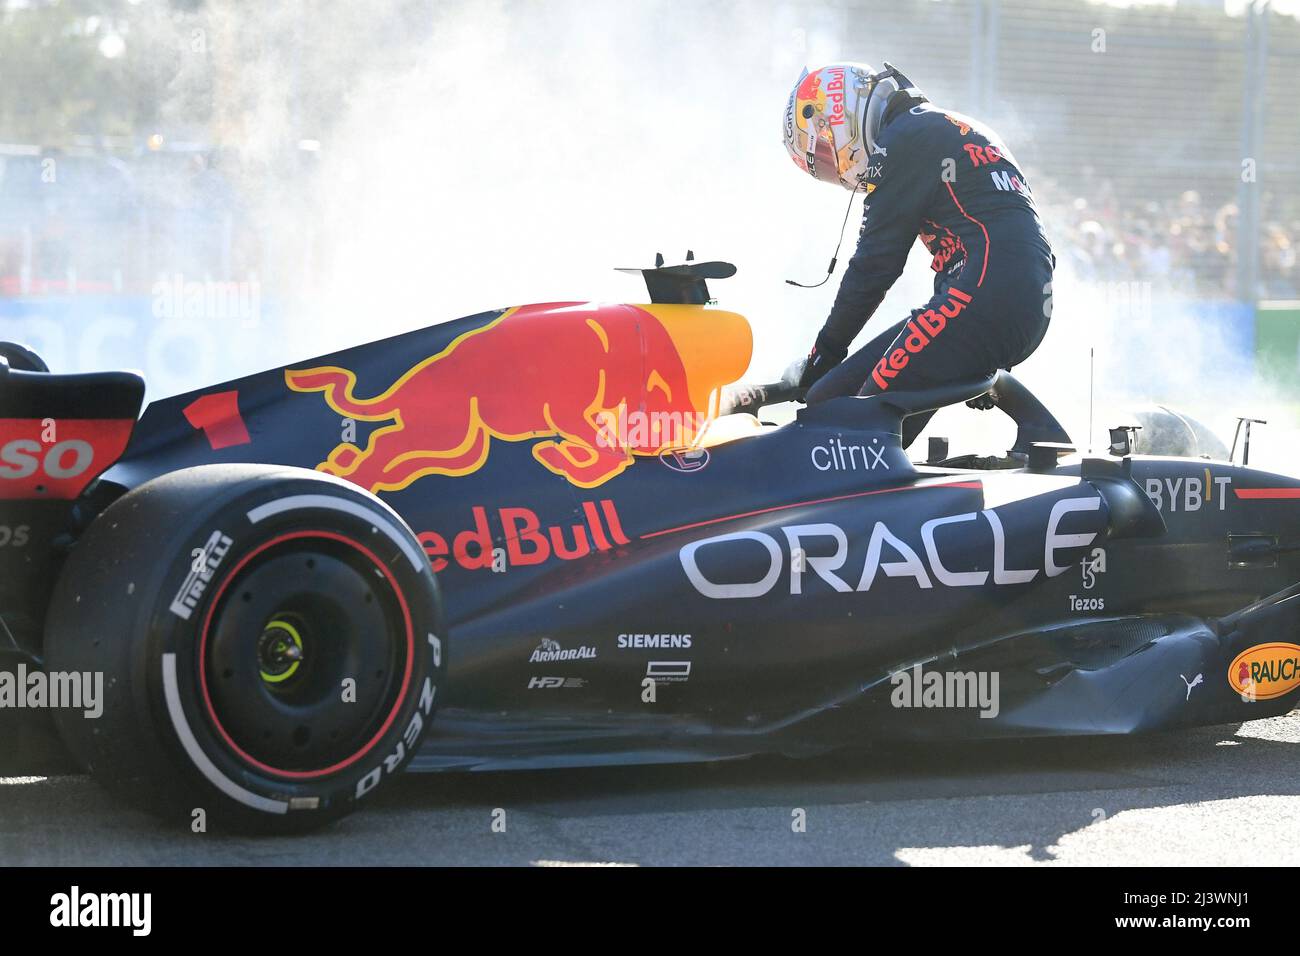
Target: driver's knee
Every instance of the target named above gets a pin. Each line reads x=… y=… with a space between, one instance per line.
x=845 y=380
x=839 y=382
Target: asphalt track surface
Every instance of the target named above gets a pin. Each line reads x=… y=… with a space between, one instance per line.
x=1196 y=797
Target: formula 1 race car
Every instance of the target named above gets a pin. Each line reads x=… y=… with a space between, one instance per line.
x=559 y=535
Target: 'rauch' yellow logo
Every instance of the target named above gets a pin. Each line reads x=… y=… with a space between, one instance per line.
x=1265 y=671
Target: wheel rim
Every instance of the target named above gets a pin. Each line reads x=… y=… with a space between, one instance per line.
x=306 y=653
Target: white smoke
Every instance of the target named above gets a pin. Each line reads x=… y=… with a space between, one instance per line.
x=493 y=153
x=516 y=153
x=475 y=154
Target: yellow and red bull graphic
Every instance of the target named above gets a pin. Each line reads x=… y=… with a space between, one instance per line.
x=962 y=126
x=555 y=374
x=1265 y=671
x=944 y=248
x=828 y=99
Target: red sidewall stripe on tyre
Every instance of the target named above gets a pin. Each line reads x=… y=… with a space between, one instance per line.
x=406 y=677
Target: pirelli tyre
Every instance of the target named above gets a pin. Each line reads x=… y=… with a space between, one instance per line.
x=270 y=641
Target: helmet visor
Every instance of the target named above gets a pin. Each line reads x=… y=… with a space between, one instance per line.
x=822 y=162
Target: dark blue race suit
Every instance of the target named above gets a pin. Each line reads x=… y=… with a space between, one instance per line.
x=951 y=182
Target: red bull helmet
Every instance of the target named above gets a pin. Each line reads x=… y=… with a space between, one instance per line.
x=833 y=118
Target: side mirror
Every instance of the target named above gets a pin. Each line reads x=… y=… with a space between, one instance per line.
x=1123 y=440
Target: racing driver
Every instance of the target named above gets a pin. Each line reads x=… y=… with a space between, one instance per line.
x=948 y=180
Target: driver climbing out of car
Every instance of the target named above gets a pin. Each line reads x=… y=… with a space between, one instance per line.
x=948 y=180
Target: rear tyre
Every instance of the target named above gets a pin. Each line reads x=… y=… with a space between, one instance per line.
x=270 y=641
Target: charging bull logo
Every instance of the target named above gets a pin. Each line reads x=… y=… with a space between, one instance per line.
x=828 y=99
x=554 y=372
x=810 y=88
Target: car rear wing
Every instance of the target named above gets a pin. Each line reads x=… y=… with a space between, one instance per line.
x=58 y=433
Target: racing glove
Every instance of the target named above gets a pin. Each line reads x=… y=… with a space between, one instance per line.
x=825 y=355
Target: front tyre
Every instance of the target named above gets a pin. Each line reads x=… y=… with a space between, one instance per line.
x=270 y=641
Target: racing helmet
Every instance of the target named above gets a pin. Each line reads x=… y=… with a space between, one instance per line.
x=833 y=118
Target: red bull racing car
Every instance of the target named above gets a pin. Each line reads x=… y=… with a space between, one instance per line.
x=560 y=535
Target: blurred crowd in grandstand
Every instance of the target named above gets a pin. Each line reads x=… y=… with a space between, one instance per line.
x=1134 y=168
x=76 y=221
x=1177 y=242
x=96 y=223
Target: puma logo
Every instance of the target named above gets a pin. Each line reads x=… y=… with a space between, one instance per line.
x=1198 y=679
